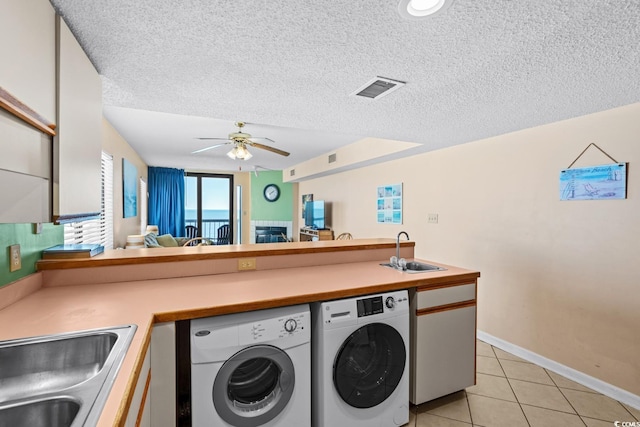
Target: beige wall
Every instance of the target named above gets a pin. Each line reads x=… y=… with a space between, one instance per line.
x=560 y=279
x=115 y=145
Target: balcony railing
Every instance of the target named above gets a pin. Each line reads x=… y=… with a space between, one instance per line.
x=209 y=227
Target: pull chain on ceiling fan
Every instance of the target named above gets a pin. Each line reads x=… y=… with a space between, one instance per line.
x=241 y=140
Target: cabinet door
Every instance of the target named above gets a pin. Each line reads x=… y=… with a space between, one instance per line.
x=78 y=144
x=444 y=353
x=138 y=415
x=163 y=382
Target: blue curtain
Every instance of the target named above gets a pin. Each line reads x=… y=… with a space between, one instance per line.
x=166 y=200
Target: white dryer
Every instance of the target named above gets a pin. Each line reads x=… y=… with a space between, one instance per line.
x=361 y=361
x=252 y=369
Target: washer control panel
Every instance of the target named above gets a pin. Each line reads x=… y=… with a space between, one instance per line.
x=275 y=328
x=384 y=303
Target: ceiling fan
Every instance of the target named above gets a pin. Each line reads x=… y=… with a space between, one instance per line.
x=241 y=141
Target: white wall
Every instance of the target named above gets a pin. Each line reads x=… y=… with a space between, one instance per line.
x=560 y=279
x=115 y=145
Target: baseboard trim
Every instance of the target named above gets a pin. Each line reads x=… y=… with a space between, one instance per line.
x=567 y=372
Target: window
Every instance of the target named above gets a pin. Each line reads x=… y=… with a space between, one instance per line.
x=209 y=205
x=98 y=230
x=144 y=199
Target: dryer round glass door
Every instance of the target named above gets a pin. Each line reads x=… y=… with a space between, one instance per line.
x=369 y=365
x=253 y=386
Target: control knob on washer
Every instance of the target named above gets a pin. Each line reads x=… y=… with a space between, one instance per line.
x=290 y=325
x=390 y=302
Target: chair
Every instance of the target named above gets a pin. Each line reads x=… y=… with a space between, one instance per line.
x=344 y=236
x=223 y=235
x=191 y=232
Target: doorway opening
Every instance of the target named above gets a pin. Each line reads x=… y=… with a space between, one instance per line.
x=209 y=206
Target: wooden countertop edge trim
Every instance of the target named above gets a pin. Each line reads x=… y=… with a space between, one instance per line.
x=194 y=255
x=125 y=403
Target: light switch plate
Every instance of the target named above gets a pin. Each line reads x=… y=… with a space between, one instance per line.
x=15 y=260
x=432 y=218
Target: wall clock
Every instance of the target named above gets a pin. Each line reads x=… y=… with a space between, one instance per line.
x=271 y=192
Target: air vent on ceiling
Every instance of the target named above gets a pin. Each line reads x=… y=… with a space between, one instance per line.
x=332 y=158
x=378 y=87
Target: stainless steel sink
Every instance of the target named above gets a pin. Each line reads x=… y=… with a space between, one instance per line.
x=66 y=375
x=415 y=267
x=55 y=412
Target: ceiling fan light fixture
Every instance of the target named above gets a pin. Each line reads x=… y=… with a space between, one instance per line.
x=239 y=152
x=420 y=9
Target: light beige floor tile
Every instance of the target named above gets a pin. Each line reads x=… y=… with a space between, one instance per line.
x=543 y=396
x=453 y=406
x=428 y=420
x=492 y=386
x=501 y=354
x=540 y=417
x=526 y=372
x=489 y=365
x=488 y=412
x=484 y=349
x=635 y=412
x=596 y=406
x=563 y=382
x=590 y=422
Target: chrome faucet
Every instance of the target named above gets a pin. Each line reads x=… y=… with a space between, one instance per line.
x=398 y=263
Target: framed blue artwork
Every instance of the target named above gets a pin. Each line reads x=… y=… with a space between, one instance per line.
x=602 y=182
x=389 y=204
x=129 y=189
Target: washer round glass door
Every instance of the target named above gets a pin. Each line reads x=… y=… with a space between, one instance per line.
x=369 y=365
x=253 y=386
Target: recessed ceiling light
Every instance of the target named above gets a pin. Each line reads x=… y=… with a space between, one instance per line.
x=418 y=9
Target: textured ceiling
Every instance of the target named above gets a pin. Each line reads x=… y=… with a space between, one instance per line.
x=480 y=69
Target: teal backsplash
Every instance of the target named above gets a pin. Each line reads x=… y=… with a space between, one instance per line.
x=31 y=246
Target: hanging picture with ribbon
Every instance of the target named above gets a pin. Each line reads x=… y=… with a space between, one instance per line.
x=600 y=182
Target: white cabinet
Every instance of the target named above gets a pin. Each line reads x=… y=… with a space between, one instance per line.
x=28 y=52
x=443 y=341
x=78 y=143
x=27 y=73
x=163 y=382
x=139 y=409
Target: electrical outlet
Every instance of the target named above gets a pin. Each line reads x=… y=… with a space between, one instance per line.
x=15 y=261
x=246 y=264
x=432 y=218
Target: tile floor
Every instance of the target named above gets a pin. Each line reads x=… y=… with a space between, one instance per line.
x=512 y=392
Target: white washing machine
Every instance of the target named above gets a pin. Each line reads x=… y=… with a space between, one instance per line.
x=361 y=361
x=252 y=369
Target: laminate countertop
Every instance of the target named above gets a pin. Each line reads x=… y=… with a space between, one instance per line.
x=58 y=309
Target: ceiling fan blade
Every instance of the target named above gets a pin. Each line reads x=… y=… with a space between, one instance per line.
x=209 y=148
x=262 y=138
x=209 y=139
x=266 y=147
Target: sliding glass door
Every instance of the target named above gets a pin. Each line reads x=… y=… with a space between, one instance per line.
x=209 y=206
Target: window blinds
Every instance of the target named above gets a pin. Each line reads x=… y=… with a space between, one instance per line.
x=99 y=230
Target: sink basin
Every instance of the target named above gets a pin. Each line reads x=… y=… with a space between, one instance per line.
x=37 y=366
x=60 y=380
x=56 y=412
x=416 y=267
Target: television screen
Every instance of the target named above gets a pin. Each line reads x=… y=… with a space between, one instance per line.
x=314 y=214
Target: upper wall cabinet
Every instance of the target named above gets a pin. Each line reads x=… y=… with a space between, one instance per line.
x=28 y=53
x=77 y=145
